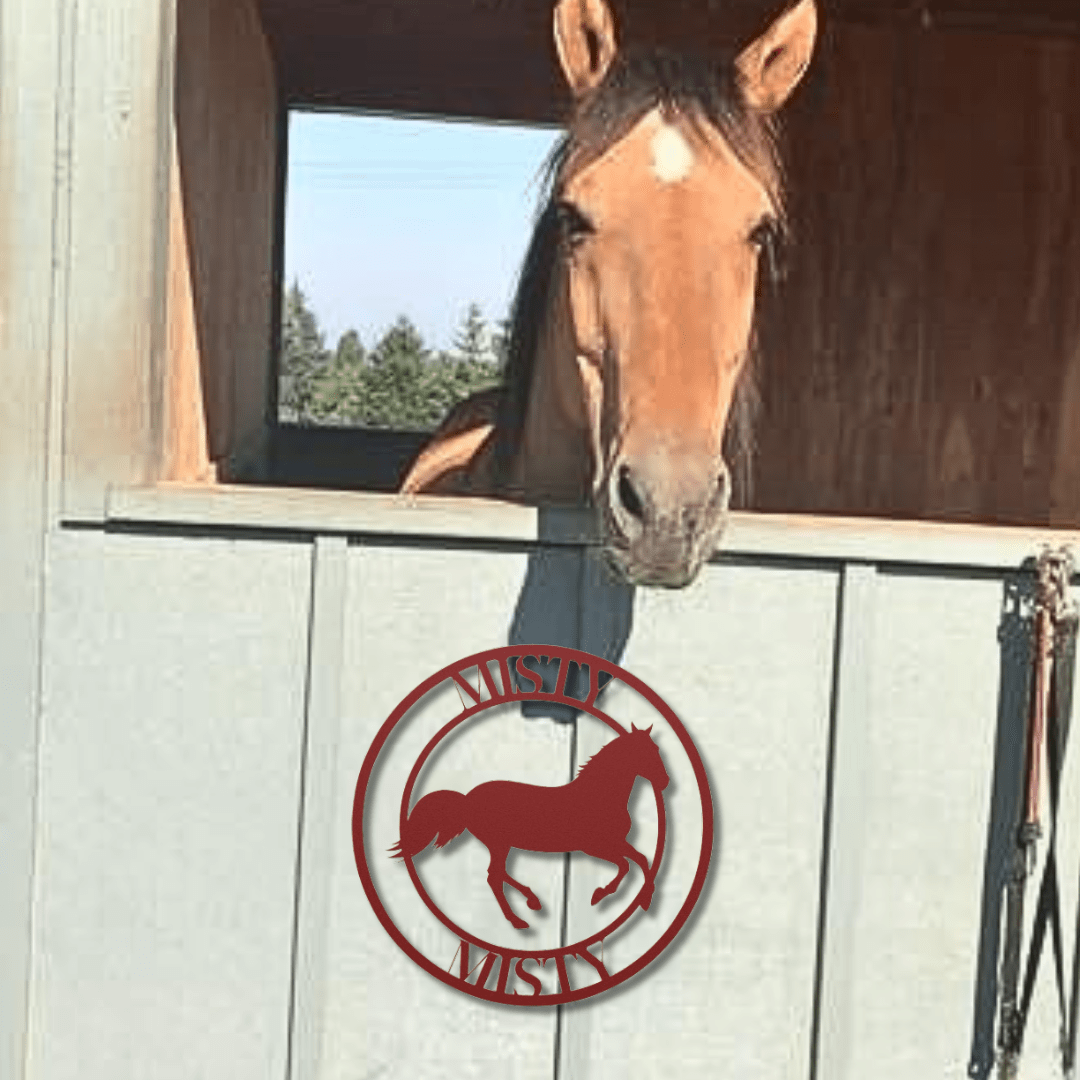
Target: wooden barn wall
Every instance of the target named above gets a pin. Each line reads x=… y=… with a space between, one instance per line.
x=923 y=356
x=483 y=58
x=222 y=222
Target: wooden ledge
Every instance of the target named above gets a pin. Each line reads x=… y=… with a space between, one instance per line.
x=791 y=537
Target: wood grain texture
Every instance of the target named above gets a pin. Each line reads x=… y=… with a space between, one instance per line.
x=494 y=58
x=115 y=196
x=187 y=453
x=221 y=242
x=921 y=358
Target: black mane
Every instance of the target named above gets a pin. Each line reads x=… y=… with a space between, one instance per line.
x=696 y=86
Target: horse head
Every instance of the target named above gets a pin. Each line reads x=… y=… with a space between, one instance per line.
x=647 y=757
x=633 y=320
x=663 y=228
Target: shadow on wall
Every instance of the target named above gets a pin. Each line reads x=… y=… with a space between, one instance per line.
x=1004 y=860
x=571 y=598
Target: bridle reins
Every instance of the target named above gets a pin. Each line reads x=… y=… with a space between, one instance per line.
x=1046 y=736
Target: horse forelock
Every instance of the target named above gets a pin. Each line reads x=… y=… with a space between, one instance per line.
x=696 y=87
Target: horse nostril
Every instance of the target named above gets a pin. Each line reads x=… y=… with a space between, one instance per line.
x=723 y=484
x=628 y=495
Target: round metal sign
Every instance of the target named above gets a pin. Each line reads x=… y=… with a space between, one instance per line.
x=436 y=773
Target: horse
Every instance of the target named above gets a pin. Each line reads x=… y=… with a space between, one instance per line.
x=589 y=815
x=632 y=325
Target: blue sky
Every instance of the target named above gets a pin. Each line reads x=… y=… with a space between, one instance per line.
x=386 y=216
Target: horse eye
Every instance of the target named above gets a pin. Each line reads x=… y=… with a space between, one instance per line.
x=574 y=226
x=765 y=234
x=767 y=238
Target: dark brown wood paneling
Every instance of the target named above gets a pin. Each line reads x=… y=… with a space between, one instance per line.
x=491 y=59
x=1003 y=16
x=483 y=58
x=923 y=357
x=494 y=58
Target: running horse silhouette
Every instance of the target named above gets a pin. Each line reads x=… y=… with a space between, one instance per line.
x=589 y=815
x=633 y=320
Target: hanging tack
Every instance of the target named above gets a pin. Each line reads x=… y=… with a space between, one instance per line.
x=1055 y=618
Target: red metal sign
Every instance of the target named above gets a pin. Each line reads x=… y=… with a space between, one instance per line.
x=597 y=814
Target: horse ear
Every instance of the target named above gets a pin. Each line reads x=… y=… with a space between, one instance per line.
x=585 y=42
x=770 y=68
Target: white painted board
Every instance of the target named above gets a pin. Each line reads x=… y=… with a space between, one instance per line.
x=410 y=613
x=167 y=812
x=744 y=658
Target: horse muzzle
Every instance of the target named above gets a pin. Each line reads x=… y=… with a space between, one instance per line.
x=662 y=517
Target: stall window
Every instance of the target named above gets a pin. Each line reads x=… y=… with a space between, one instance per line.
x=401 y=244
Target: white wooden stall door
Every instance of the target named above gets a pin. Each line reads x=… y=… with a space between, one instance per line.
x=208 y=702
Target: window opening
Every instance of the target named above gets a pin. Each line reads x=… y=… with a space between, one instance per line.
x=402 y=242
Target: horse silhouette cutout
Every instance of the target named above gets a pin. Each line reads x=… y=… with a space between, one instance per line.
x=590 y=815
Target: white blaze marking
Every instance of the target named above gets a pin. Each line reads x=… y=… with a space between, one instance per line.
x=672 y=158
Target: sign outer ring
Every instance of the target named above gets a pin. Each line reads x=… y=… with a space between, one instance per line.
x=582 y=659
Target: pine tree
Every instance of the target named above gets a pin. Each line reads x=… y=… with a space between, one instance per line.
x=500 y=343
x=400 y=383
x=395 y=381
x=303 y=358
x=471 y=340
x=350 y=350
x=339 y=394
